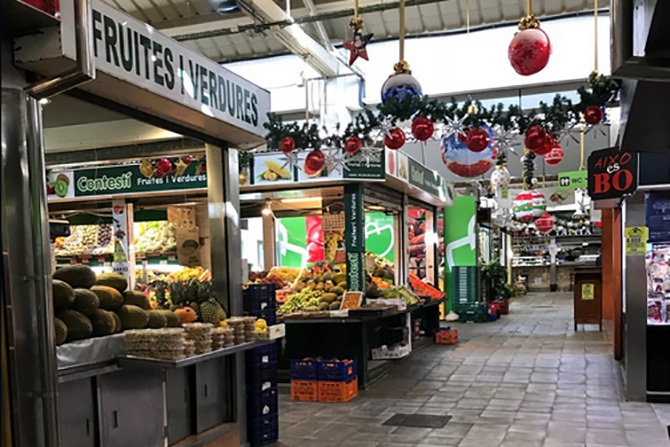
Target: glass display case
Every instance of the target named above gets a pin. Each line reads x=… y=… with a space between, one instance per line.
x=658 y=284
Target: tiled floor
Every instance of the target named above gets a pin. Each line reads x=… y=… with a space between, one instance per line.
x=525 y=381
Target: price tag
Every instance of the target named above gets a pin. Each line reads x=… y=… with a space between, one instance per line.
x=162 y=262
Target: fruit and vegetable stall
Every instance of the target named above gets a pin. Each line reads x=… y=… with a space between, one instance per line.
x=144 y=329
x=354 y=258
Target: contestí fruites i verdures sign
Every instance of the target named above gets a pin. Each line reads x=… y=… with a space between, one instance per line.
x=133 y=51
x=612 y=173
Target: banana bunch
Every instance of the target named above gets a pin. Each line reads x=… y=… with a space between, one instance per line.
x=299 y=301
x=185 y=274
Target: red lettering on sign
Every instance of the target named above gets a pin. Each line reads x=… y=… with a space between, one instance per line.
x=622 y=180
x=601 y=183
x=625 y=158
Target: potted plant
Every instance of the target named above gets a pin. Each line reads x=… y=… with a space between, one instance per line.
x=495 y=277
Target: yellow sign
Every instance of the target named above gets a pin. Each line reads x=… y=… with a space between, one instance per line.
x=588 y=291
x=636 y=241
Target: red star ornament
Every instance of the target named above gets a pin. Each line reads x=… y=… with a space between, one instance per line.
x=357 y=46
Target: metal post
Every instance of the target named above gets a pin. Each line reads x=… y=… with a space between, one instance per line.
x=636 y=308
x=27 y=288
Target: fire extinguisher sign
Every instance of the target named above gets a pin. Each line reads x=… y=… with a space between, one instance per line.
x=612 y=174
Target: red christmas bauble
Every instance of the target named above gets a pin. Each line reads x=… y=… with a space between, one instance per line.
x=554 y=156
x=593 y=115
x=352 y=145
x=548 y=145
x=422 y=128
x=287 y=144
x=544 y=223
x=188 y=159
x=535 y=137
x=314 y=163
x=529 y=51
x=478 y=139
x=396 y=140
x=164 y=166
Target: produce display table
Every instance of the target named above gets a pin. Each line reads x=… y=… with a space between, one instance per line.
x=352 y=337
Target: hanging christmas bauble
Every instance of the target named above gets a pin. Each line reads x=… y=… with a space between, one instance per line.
x=188 y=159
x=544 y=223
x=422 y=128
x=164 y=166
x=535 y=137
x=314 y=163
x=400 y=86
x=593 y=114
x=539 y=203
x=522 y=206
x=500 y=178
x=352 y=145
x=529 y=51
x=462 y=161
x=287 y=144
x=477 y=139
x=548 y=145
x=396 y=139
x=554 y=156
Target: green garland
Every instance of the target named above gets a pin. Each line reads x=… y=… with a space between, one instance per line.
x=553 y=117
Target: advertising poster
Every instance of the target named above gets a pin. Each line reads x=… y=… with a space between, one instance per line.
x=459 y=237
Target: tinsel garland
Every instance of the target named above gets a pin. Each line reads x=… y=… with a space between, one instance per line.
x=554 y=117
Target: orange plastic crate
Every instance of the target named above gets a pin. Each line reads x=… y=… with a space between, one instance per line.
x=338 y=391
x=444 y=337
x=305 y=390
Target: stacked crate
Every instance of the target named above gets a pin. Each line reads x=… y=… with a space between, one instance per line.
x=324 y=380
x=262 y=398
x=466 y=294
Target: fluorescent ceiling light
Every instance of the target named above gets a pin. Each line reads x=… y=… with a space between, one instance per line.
x=301 y=199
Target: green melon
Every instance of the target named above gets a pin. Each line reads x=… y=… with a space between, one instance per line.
x=133 y=317
x=103 y=323
x=85 y=301
x=114 y=280
x=61 y=331
x=63 y=295
x=136 y=298
x=118 y=326
x=110 y=298
x=77 y=276
x=156 y=320
x=171 y=317
x=78 y=325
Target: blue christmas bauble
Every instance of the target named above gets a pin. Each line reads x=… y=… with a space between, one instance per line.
x=400 y=86
x=462 y=161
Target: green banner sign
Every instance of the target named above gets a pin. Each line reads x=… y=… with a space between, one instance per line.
x=572 y=180
x=460 y=239
x=129 y=179
x=354 y=236
x=425 y=179
x=379 y=235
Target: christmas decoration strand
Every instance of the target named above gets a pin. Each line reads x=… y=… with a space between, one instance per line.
x=555 y=118
x=401 y=31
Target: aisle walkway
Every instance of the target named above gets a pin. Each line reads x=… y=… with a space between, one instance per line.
x=525 y=381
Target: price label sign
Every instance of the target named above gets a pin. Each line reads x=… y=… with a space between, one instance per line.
x=636 y=241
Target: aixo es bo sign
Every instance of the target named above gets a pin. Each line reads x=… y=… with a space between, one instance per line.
x=612 y=174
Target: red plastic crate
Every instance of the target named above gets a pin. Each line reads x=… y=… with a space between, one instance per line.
x=504 y=307
x=338 y=391
x=305 y=390
x=446 y=337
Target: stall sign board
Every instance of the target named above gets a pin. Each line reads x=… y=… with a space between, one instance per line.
x=588 y=291
x=361 y=168
x=572 y=180
x=657 y=211
x=126 y=179
x=354 y=236
x=132 y=51
x=425 y=179
x=636 y=241
x=612 y=174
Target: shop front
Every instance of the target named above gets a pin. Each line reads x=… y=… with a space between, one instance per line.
x=127 y=184
x=355 y=256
